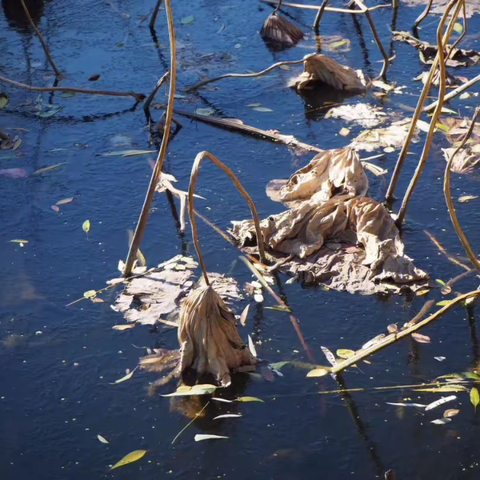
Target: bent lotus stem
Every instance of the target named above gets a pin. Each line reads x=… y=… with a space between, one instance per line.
x=191 y=209
x=423 y=15
x=436 y=113
x=448 y=195
x=418 y=110
x=142 y=221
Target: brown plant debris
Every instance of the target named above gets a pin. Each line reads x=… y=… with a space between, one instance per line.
x=458 y=58
x=208 y=337
x=345 y=244
x=438 y=7
x=157 y=295
x=332 y=172
x=318 y=68
x=280 y=30
x=392 y=136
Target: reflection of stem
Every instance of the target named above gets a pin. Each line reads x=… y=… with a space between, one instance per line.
x=473 y=335
x=327 y=9
x=42 y=41
x=436 y=114
x=244 y=75
x=448 y=195
x=137 y=96
x=423 y=15
x=442 y=249
x=142 y=221
x=154 y=14
x=418 y=110
x=191 y=189
x=191 y=421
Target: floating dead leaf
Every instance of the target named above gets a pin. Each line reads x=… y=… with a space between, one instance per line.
x=86 y=226
x=186 y=391
x=441 y=421
x=3 y=100
x=440 y=359
x=187 y=20
x=228 y=415
x=267 y=374
x=199 y=437
x=262 y=109
x=451 y=412
x=344 y=353
x=128 y=376
x=55 y=208
x=337 y=44
x=130 y=458
x=361 y=113
x=318 y=372
x=330 y=356
x=224 y=400
x=205 y=111
x=407 y=405
x=251 y=347
x=47 y=169
x=440 y=401
x=392 y=328
x=422 y=291
x=126 y=153
x=94 y=78
x=443 y=389
x=344 y=132
x=18 y=240
x=249 y=399
x=321 y=69
x=17 y=144
x=102 y=439
x=65 y=200
x=90 y=294
x=128 y=326
x=467 y=198
x=418 y=337
x=244 y=315
x=474 y=397
x=444 y=303
x=280 y=30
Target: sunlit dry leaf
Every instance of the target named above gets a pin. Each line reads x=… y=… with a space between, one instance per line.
x=330 y=356
x=467 y=198
x=344 y=132
x=224 y=400
x=444 y=303
x=86 y=226
x=102 y=439
x=128 y=376
x=441 y=282
x=441 y=421
x=413 y=405
x=422 y=291
x=97 y=300
x=440 y=359
x=47 y=169
x=17 y=144
x=249 y=399
x=451 y=412
x=199 y=437
x=318 y=372
x=262 y=109
x=186 y=391
x=244 y=315
x=418 y=337
x=205 y=111
x=90 y=294
x=392 y=328
x=474 y=397
x=439 y=402
x=128 y=326
x=443 y=389
x=55 y=208
x=130 y=458
x=228 y=415
x=18 y=240
x=3 y=100
x=65 y=200
x=344 y=353
x=279 y=308
x=258 y=298
x=251 y=347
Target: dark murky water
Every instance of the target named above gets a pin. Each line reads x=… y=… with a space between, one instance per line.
x=58 y=362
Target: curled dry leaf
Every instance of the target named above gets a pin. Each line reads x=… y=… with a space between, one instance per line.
x=128 y=376
x=199 y=437
x=102 y=439
x=55 y=208
x=418 y=337
x=228 y=415
x=280 y=30
x=392 y=328
x=451 y=412
x=251 y=347
x=439 y=402
x=244 y=315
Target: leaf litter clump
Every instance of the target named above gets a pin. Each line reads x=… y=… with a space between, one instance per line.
x=335 y=236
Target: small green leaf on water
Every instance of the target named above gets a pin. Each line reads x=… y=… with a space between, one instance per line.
x=90 y=294
x=441 y=282
x=199 y=437
x=67 y=94
x=187 y=20
x=249 y=399
x=3 y=101
x=262 y=109
x=474 y=397
x=128 y=376
x=86 y=226
x=130 y=458
x=185 y=391
x=205 y=111
x=444 y=303
x=458 y=27
x=102 y=439
x=279 y=308
x=344 y=353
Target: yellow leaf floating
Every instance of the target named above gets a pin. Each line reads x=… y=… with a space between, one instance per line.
x=128 y=376
x=474 y=397
x=90 y=294
x=249 y=399
x=123 y=327
x=102 y=439
x=244 y=315
x=344 y=353
x=130 y=458
x=86 y=226
x=318 y=372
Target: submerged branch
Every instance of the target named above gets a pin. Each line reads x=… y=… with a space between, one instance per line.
x=448 y=195
x=42 y=41
x=244 y=75
x=137 y=96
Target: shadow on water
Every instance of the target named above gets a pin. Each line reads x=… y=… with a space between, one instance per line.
x=16 y=16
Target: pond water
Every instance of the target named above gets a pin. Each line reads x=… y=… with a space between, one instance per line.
x=58 y=362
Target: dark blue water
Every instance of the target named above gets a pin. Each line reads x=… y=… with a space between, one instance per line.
x=58 y=362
